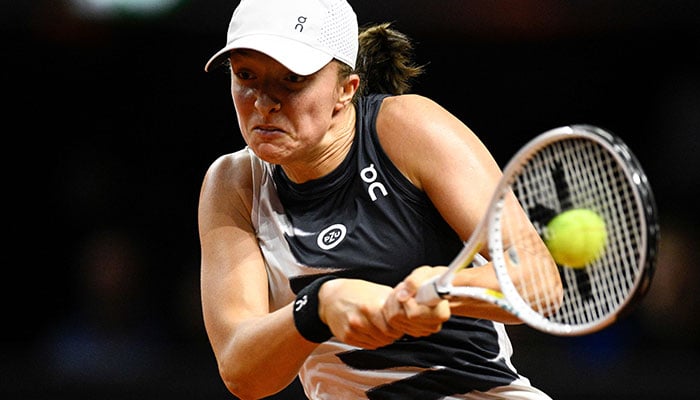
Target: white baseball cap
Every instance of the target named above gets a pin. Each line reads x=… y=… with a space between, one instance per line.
x=302 y=35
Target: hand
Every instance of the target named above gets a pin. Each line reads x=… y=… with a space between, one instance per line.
x=352 y=309
x=403 y=312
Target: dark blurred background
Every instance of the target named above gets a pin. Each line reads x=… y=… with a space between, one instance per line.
x=110 y=123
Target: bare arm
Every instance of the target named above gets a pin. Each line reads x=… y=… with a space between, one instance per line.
x=243 y=333
x=459 y=175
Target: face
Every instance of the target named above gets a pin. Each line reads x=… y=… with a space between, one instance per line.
x=285 y=118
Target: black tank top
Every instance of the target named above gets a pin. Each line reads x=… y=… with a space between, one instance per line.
x=366 y=220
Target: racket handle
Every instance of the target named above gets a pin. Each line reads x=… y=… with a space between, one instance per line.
x=428 y=293
x=431 y=292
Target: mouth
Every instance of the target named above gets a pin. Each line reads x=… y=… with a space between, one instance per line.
x=267 y=129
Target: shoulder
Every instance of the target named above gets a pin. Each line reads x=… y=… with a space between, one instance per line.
x=409 y=125
x=229 y=179
x=420 y=120
x=409 y=108
x=231 y=167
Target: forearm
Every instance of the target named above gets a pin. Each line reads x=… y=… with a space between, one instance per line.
x=482 y=276
x=531 y=271
x=263 y=355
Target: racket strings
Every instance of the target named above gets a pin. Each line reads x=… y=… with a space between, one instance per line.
x=578 y=173
x=624 y=239
x=536 y=285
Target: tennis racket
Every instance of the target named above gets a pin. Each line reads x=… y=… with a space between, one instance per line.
x=566 y=168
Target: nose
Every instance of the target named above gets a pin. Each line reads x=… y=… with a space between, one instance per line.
x=266 y=103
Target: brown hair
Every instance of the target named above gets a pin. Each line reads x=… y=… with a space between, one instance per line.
x=385 y=61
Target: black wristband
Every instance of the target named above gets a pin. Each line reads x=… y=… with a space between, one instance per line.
x=306 y=318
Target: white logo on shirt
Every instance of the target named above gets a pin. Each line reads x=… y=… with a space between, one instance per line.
x=331 y=236
x=369 y=175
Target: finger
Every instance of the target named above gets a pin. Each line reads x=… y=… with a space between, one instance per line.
x=370 y=329
x=368 y=340
x=414 y=279
x=380 y=323
x=422 y=329
x=422 y=319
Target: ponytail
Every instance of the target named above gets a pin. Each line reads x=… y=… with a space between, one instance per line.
x=385 y=61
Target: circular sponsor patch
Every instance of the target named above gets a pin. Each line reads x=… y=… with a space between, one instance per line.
x=331 y=236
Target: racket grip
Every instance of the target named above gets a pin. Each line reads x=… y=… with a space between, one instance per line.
x=428 y=293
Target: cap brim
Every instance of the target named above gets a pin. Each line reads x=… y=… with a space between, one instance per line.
x=297 y=57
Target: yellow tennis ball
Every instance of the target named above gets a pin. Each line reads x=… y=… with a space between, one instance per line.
x=576 y=237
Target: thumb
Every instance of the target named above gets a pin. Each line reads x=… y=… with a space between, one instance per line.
x=404 y=292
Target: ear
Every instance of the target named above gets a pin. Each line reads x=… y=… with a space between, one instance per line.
x=348 y=90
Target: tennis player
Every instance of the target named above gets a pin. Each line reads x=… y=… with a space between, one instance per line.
x=347 y=186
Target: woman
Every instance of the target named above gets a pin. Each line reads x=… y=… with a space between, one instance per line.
x=315 y=236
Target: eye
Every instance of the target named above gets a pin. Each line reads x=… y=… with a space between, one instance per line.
x=294 y=78
x=244 y=75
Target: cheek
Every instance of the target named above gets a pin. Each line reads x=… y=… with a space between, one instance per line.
x=315 y=115
x=319 y=105
x=239 y=94
x=243 y=101
x=243 y=107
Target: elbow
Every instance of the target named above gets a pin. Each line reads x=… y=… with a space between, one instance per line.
x=556 y=298
x=244 y=384
x=243 y=391
x=553 y=291
x=540 y=285
x=246 y=390
x=236 y=383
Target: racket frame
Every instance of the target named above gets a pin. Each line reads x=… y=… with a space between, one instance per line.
x=488 y=232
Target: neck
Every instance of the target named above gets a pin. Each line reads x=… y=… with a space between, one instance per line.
x=334 y=148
